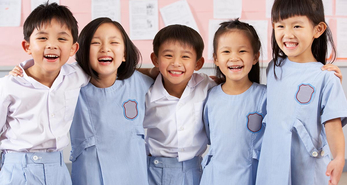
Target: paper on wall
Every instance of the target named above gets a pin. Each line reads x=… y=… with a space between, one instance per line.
x=106 y=8
x=10 y=12
x=178 y=13
x=143 y=19
x=227 y=9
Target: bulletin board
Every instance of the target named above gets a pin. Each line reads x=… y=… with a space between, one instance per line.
x=11 y=52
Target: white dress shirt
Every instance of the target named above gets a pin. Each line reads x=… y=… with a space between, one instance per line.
x=34 y=117
x=174 y=125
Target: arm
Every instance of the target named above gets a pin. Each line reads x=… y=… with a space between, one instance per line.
x=336 y=143
x=332 y=67
x=16 y=71
x=151 y=72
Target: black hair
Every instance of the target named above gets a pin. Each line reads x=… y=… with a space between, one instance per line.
x=44 y=14
x=227 y=27
x=132 y=54
x=182 y=34
x=314 y=11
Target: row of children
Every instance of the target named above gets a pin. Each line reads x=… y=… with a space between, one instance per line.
x=303 y=108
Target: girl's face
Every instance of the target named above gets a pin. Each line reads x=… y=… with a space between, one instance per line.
x=235 y=56
x=295 y=35
x=107 y=51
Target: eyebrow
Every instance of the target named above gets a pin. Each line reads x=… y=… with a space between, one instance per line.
x=170 y=50
x=45 y=33
x=113 y=37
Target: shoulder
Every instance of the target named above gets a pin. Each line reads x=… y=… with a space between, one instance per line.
x=141 y=79
x=202 y=80
x=75 y=72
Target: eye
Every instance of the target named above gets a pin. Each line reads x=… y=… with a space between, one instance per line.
x=243 y=51
x=279 y=26
x=62 y=39
x=95 y=43
x=225 y=51
x=114 y=42
x=42 y=38
x=185 y=56
x=168 y=56
x=297 y=26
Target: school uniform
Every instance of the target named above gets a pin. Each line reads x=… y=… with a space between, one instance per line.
x=107 y=135
x=35 y=121
x=235 y=129
x=295 y=150
x=176 y=138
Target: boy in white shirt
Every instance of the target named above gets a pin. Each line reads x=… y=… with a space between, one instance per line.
x=176 y=138
x=36 y=110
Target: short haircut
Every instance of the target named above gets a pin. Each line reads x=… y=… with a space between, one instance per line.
x=132 y=54
x=44 y=14
x=182 y=34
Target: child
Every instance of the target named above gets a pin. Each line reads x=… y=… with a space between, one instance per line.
x=306 y=106
x=175 y=136
x=107 y=134
x=234 y=110
x=36 y=111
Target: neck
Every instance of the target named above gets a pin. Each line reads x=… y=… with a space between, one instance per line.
x=175 y=90
x=236 y=87
x=46 y=79
x=104 y=82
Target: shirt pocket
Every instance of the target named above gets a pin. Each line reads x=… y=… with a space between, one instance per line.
x=78 y=150
x=71 y=97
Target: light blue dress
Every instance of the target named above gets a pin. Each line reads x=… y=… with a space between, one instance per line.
x=107 y=134
x=235 y=128
x=295 y=149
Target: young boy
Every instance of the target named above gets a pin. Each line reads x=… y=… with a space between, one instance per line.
x=36 y=110
x=176 y=137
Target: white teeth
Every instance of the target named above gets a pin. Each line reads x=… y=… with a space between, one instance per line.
x=290 y=44
x=235 y=67
x=51 y=56
x=176 y=72
x=105 y=58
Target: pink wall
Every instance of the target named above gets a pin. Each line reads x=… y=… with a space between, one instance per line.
x=11 y=52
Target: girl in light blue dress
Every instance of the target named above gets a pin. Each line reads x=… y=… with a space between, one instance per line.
x=234 y=110
x=107 y=135
x=306 y=106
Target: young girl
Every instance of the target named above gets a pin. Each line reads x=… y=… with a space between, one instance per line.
x=107 y=134
x=306 y=106
x=234 y=110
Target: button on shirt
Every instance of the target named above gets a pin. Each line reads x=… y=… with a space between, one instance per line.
x=34 y=117
x=174 y=125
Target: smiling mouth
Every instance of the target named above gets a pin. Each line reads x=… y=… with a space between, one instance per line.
x=176 y=72
x=51 y=57
x=290 y=45
x=109 y=59
x=235 y=67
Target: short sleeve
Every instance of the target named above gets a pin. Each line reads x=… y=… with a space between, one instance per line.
x=333 y=100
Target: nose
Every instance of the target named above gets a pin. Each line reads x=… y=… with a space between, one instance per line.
x=288 y=33
x=176 y=62
x=51 y=45
x=234 y=57
x=104 y=48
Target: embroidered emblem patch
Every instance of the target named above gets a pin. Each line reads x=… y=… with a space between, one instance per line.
x=130 y=109
x=304 y=94
x=254 y=122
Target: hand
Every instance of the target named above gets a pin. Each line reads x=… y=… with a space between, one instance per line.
x=332 y=67
x=154 y=72
x=16 y=71
x=334 y=170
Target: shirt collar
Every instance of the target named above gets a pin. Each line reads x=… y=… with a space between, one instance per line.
x=27 y=80
x=158 y=91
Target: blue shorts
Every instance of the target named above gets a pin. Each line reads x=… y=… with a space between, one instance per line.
x=168 y=171
x=41 y=168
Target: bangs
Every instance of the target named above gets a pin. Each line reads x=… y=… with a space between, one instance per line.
x=283 y=9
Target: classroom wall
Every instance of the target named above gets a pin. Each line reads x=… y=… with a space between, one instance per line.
x=11 y=52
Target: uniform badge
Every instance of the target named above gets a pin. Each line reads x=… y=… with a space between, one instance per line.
x=254 y=122
x=130 y=109
x=304 y=94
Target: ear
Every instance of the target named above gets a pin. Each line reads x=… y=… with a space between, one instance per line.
x=26 y=46
x=154 y=59
x=319 y=29
x=74 y=48
x=123 y=59
x=199 y=64
x=256 y=58
x=215 y=59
